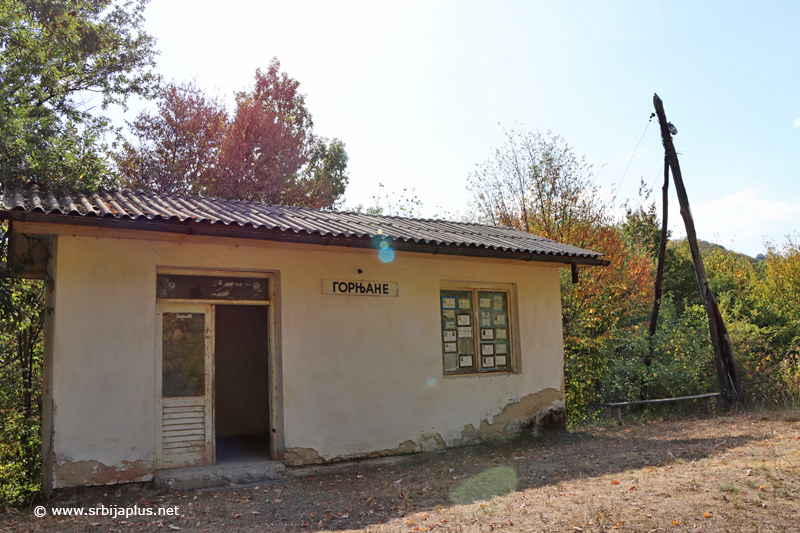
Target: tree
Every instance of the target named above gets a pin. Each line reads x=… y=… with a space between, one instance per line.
x=54 y=56
x=268 y=141
x=536 y=184
x=22 y=314
x=176 y=149
x=60 y=60
x=323 y=179
x=680 y=282
x=265 y=150
x=641 y=227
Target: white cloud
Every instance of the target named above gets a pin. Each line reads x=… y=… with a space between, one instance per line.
x=797 y=122
x=740 y=220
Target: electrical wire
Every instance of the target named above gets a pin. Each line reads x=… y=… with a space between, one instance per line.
x=634 y=153
x=651 y=186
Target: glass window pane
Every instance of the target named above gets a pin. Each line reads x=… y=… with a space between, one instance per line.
x=458 y=331
x=494 y=332
x=210 y=287
x=183 y=355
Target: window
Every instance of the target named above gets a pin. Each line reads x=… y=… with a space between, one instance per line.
x=185 y=287
x=476 y=331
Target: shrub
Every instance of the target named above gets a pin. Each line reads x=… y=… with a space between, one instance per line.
x=20 y=458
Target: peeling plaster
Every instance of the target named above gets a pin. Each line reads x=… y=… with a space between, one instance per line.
x=72 y=474
x=530 y=410
x=431 y=443
x=302 y=456
x=536 y=411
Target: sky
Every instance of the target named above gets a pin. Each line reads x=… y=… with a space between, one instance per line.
x=422 y=92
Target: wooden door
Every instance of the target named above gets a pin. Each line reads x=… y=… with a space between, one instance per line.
x=184 y=385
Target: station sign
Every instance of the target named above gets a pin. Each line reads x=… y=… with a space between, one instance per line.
x=359 y=287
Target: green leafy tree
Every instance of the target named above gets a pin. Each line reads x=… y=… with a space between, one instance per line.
x=641 y=227
x=60 y=60
x=323 y=179
x=22 y=314
x=680 y=280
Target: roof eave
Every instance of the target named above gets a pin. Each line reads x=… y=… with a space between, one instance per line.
x=191 y=227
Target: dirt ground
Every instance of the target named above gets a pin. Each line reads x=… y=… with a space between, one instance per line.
x=730 y=473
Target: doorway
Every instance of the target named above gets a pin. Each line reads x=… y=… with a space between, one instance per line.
x=241 y=382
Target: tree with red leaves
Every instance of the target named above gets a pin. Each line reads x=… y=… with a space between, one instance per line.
x=176 y=149
x=264 y=151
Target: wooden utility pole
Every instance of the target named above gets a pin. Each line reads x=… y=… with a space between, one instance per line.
x=662 y=252
x=723 y=349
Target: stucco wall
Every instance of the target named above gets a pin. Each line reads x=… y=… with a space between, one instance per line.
x=355 y=369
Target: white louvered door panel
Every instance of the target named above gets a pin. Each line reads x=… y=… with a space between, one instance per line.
x=185 y=432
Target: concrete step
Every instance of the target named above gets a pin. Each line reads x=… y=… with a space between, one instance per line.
x=219 y=475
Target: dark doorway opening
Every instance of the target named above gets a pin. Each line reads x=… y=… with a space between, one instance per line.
x=241 y=384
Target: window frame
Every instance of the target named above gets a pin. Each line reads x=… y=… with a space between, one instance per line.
x=476 y=369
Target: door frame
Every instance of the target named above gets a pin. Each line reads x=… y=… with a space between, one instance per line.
x=274 y=359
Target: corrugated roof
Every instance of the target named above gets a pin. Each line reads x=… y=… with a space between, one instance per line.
x=212 y=216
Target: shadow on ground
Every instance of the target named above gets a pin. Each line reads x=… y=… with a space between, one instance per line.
x=364 y=494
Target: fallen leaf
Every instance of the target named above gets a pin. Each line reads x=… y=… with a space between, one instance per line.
x=174 y=527
x=762 y=487
x=615 y=482
x=675 y=523
x=633 y=487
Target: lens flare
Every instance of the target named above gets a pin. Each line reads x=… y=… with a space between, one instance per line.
x=386 y=255
x=431 y=382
